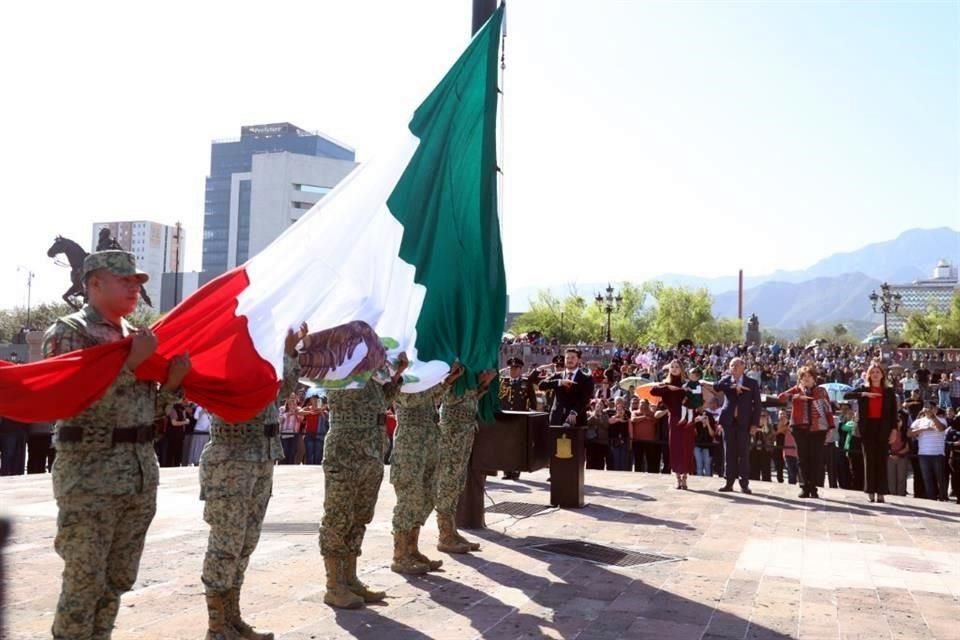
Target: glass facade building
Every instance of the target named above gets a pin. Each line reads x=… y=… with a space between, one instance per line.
x=231 y=157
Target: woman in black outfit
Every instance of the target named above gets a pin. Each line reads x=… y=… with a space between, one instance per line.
x=876 y=418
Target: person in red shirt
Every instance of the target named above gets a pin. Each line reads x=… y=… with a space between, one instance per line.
x=877 y=411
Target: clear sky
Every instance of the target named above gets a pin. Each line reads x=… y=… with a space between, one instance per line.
x=645 y=136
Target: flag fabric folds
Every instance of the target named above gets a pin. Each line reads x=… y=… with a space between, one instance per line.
x=408 y=244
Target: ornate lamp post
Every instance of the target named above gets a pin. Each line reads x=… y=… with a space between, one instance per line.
x=608 y=304
x=886 y=302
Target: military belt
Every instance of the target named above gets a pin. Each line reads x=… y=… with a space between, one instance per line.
x=138 y=434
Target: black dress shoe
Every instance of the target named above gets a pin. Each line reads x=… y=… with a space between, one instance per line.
x=727 y=488
x=814 y=494
x=746 y=490
x=804 y=494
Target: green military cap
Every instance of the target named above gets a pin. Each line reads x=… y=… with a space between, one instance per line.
x=121 y=263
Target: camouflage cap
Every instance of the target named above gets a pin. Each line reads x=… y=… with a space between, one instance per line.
x=121 y=263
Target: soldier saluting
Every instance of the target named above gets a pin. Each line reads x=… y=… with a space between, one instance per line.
x=516 y=393
x=105 y=473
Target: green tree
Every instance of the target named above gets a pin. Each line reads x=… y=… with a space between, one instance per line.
x=682 y=313
x=934 y=327
x=41 y=317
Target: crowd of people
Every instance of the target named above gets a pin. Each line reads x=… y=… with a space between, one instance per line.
x=884 y=426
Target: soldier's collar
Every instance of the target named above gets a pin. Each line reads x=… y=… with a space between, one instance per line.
x=95 y=317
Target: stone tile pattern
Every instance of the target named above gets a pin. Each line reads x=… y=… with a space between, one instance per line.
x=761 y=566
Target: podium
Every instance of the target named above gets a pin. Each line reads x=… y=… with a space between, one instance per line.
x=567 y=466
x=514 y=441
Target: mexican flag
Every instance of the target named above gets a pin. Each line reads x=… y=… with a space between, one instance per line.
x=408 y=246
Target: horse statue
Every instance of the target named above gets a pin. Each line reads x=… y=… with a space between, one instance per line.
x=75 y=256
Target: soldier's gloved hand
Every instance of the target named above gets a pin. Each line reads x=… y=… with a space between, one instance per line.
x=142 y=346
x=486 y=377
x=293 y=338
x=177 y=370
x=402 y=362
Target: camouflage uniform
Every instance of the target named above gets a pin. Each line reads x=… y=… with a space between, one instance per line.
x=106 y=491
x=236 y=480
x=353 y=465
x=413 y=465
x=458 y=427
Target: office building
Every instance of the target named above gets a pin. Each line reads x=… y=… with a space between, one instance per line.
x=260 y=184
x=158 y=248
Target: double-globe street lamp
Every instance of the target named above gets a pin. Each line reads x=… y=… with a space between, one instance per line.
x=608 y=304
x=886 y=302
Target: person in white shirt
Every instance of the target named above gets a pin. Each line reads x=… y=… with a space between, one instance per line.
x=201 y=435
x=930 y=431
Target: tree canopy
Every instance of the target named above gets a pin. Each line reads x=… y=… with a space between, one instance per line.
x=651 y=311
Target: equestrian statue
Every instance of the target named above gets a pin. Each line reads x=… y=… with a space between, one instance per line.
x=75 y=256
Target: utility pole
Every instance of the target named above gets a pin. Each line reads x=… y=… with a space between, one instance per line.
x=176 y=267
x=30 y=276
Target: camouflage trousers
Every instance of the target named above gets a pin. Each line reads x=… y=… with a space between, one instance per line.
x=100 y=539
x=236 y=495
x=456 y=444
x=413 y=473
x=352 y=473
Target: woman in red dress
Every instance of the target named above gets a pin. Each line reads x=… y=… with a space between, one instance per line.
x=682 y=435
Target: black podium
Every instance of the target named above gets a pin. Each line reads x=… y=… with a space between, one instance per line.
x=515 y=441
x=567 y=463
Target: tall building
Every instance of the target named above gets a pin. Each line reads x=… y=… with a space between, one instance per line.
x=919 y=296
x=261 y=183
x=159 y=248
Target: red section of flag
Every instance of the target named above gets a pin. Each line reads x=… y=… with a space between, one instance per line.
x=229 y=378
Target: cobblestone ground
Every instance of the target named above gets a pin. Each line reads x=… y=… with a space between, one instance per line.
x=762 y=566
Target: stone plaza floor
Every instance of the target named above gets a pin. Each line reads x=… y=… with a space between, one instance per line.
x=763 y=566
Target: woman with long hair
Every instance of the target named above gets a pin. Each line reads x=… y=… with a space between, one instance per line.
x=877 y=417
x=811 y=417
x=682 y=434
x=289 y=426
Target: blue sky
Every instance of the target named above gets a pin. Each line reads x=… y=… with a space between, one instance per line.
x=639 y=137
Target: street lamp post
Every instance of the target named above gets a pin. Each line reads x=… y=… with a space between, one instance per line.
x=886 y=302
x=608 y=304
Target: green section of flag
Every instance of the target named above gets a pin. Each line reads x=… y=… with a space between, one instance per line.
x=446 y=201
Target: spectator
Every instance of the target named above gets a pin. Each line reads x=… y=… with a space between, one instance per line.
x=40 y=454
x=705 y=440
x=952 y=453
x=789 y=446
x=289 y=427
x=177 y=421
x=643 y=434
x=955 y=389
x=618 y=435
x=811 y=419
x=310 y=413
x=762 y=446
x=596 y=437
x=682 y=434
x=898 y=463
x=13 y=447
x=201 y=434
x=930 y=431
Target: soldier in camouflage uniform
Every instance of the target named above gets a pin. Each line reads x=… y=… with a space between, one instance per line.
x=105 y=473
x=353 y=471
x=413 y=473
x=458 y=427
x=516 y=394
x=236 y=481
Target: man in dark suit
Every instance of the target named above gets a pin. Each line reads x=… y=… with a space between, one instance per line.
x=739 y=418
x=572 y=390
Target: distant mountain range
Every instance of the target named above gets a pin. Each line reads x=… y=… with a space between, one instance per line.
x=834 y=289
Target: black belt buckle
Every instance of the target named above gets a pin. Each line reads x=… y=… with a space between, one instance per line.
x=134 y=435
x=145 y=433
x=270 y=430
x=381 y=419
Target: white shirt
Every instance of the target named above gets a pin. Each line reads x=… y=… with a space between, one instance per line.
x=203 y=420
x=929 y=442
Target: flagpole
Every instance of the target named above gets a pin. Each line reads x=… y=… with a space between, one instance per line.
x=482 y=10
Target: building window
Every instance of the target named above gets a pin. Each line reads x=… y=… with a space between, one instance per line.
x=312 y=188
x=302 y=205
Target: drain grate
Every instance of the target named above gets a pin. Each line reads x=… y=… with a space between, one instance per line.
x=291 y=528
x=602 y=554
x=517 y=509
